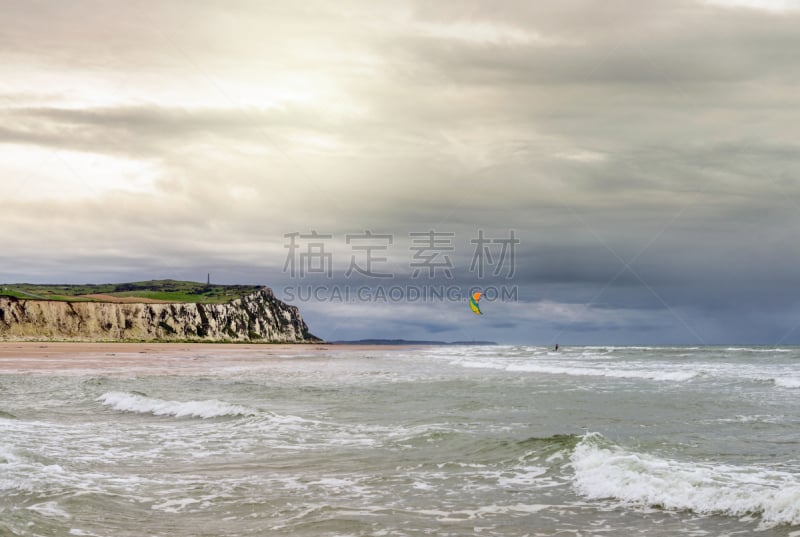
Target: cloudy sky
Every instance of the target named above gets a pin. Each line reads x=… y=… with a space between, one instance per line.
x=644 y=155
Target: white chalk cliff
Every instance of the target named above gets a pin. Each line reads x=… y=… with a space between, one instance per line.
x=257 y=317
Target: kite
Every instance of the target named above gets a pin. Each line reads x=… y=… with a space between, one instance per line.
x=473 y=303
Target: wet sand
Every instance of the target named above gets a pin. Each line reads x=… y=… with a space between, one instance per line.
x=153 y=358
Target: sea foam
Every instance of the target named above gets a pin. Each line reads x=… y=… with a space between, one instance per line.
x=645 y=373
x=649 y=374
x=212 y=408
x=604 y=470
x=787 y=382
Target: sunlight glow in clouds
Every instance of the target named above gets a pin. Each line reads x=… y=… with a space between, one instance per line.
x=70 y=175
x=480 y=32
x=767 y=5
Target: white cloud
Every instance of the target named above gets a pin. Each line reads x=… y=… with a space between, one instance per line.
x=582 y=156
x=484 y=33
x=43 y=173
x=765 y=5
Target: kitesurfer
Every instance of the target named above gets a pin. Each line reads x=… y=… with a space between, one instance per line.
x=556 y=347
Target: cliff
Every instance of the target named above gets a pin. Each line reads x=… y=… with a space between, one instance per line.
x=256 y=317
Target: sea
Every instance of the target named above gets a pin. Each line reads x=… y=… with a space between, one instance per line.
x=445 y=441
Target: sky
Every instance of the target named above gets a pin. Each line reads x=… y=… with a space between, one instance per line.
x=616 y=172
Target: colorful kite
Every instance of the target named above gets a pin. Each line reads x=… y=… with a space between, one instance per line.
x=473 y=303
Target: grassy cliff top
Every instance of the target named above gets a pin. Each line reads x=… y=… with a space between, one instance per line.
x=149 y=291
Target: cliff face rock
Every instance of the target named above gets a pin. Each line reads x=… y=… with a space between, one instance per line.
x=257 y=317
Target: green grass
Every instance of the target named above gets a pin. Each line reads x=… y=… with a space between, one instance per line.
x=13 y=293
x=167 y=290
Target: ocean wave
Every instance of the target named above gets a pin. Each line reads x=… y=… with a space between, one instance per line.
x=678 y=376
x=7 y=456
x=140 y=403
x=756 y=349
x=639 y=348
x=21 y=473
x=787 y=382
x=775 y=380
x=754 y=418
x=604 y=470
x=650 y=374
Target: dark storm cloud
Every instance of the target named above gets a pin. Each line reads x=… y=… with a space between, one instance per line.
x=708 y=51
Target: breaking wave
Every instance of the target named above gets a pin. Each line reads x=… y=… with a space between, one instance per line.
x=787 y=382
x=604 y=470
x=678 y=376
x=132 y=402
x=622 y=373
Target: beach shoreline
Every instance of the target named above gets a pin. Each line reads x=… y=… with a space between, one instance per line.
x=116 y=357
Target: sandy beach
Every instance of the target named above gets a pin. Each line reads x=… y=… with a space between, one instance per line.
x=153 y=358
